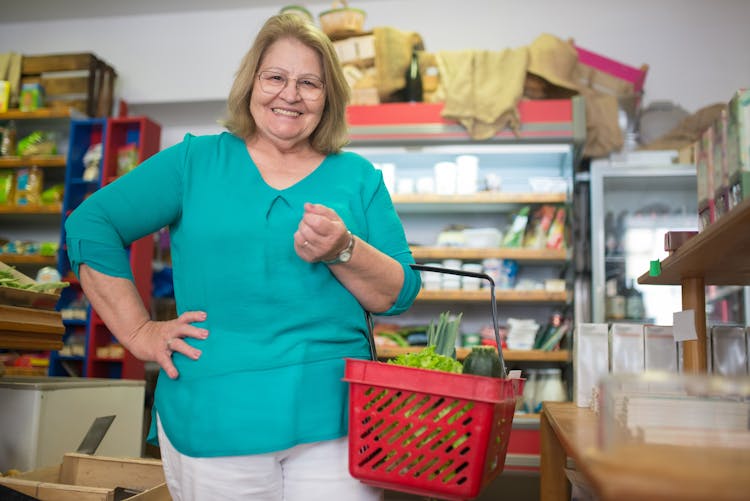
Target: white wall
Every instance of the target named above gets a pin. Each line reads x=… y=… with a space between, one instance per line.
x=697 y=50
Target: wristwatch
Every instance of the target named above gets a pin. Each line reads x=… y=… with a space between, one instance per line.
x=345 y=255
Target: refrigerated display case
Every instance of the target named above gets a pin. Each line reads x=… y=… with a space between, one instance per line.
x=634 y=202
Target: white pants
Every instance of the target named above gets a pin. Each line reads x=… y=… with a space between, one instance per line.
x=308 y=472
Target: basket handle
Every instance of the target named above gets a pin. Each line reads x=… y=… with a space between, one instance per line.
x=493 y=302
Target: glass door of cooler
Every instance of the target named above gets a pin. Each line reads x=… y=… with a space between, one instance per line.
x=633 y=204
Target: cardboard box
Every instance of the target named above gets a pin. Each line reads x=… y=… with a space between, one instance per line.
x=82 y=477
x=80 y=81
x=705 y=178
x=720 y=164
x=738 y=145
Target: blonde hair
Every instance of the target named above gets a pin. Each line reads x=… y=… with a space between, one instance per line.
x=331 y=134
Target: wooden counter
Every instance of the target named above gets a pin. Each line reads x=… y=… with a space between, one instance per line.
x=638 y=471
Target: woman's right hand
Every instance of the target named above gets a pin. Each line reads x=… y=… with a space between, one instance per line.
x=156 y=341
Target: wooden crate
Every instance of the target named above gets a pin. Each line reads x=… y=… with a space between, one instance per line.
x=81 y=477
x=80 y=81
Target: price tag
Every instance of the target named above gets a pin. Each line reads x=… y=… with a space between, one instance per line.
x=684 y=325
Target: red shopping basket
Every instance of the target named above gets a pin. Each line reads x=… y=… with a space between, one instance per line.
x=427 y=432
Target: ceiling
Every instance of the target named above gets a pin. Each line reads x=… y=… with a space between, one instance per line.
x=49 y=10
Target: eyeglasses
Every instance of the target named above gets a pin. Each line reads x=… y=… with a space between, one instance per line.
x=309 y=88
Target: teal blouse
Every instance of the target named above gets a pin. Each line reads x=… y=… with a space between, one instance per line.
x=270 y=373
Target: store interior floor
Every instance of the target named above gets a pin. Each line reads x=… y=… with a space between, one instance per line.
x=509 y=486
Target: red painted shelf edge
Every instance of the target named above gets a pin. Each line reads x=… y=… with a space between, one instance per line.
x=530 y=111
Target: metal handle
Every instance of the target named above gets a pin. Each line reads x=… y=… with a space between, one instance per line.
x=493 y=303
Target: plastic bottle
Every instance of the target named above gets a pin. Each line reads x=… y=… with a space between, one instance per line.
x=8 y=143
x=28 y=186
x=634 y=309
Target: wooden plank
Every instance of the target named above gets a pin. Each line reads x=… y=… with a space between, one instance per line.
x=105 y=472
x=518 y=254
x=14 y=340
x=510 y=296
x=670 y=473
x=65 y=85
x=10 y=162
x=553 y=484
x=37 y=64
x=718 y=254
x=32 y=320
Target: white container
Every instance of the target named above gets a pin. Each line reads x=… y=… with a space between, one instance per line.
x=482 y=238
x=467 y=174
x=471 y=283
x=42 y=418
x=432 y=281
x=389 y=176
x=590 y=360
x=425 y=185
x=405 y=185
x=445 y=178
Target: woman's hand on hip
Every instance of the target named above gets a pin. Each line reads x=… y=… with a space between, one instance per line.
x=157 y=341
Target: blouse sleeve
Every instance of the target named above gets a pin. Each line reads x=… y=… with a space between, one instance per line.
x=137 y=204
x=387 y=234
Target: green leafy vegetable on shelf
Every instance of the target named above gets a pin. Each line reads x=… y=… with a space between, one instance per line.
x=7 y=279
x=440 y=352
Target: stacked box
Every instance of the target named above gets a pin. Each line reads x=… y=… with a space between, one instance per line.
x=738 y=147
x=78 y=81
x=705 y=178
x=721 y=173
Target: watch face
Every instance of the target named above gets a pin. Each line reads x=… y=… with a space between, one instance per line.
x=345 y=256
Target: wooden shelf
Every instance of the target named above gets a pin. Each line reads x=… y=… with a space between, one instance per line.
x=502 y=296
x=30 y=328
x=518 y=254
x=637 y=471
x=31 y=209
x=41 y=113
x=480 y=198
x=38 y=160
x=508 y=355
x=17 y=259
x=718 y=254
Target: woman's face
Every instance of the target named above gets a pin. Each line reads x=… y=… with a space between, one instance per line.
x=287 y=101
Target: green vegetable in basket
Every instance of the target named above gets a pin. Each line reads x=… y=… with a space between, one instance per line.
x=426 y=358
x=483 y=361
x=440 y=352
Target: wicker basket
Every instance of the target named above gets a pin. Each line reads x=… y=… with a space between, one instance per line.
x=342 y=21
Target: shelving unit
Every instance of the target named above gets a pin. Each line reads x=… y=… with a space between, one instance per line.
x=716 y=256
x=72 y=362
x=548 y=143
x=35 y=222
x=100 y=359
x=414 y=136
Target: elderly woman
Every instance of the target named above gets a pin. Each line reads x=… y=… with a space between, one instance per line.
x=281 y=242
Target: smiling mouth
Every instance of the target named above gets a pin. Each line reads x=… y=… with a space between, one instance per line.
x=286 y=113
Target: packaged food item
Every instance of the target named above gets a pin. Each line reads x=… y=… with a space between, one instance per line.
x=127 y=158
x=37 y=143
x=28 y=186
x=4 y=95
x=6 y=186
x=31 y=97
x=8 y=142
